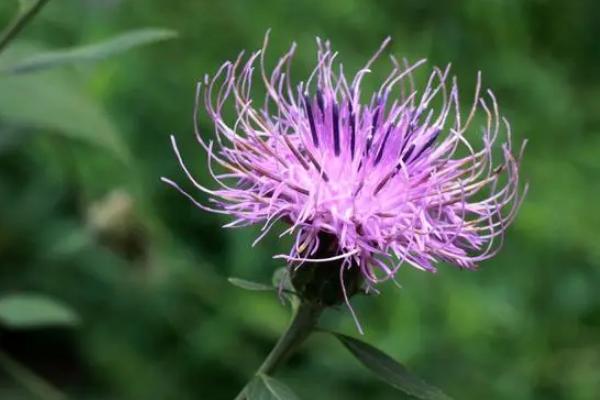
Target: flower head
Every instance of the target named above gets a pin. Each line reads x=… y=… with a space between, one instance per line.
x=394 y=177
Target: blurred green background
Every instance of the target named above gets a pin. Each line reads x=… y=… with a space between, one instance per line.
x=85 y=220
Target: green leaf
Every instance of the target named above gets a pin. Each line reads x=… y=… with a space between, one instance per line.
x=281 y=277
x=92 y=52
x=33 y=310
x=264 y=387
x=25 y=5
x=389 y=370
x=53 y=102
x=249 y=285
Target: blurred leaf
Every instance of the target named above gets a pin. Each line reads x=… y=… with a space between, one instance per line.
x=25 y=5
x=389 y=370
x=249 y=285
x=53 y=102
x=93 y=52
x=27 y=11
x=32 y=310
x=264 y=387
x=34 y=383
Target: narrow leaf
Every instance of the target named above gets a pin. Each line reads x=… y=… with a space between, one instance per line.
x=390 y=371
x=249 y=285
x=264 y=387
x=93 y=52
x=37 y=385
x=32 y=310
x=54 y=102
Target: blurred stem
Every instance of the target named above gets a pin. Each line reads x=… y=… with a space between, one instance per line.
x=19 y=22
x=35 y=384
x=306 y=316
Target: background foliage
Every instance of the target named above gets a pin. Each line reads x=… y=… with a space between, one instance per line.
x=85 y=220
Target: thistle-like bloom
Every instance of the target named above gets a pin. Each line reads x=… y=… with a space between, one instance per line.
x=395 y=177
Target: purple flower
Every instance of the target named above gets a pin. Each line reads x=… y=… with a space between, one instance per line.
x=395 y=178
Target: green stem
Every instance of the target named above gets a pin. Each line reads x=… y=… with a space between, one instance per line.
x=17 y=25
x=302 y=324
